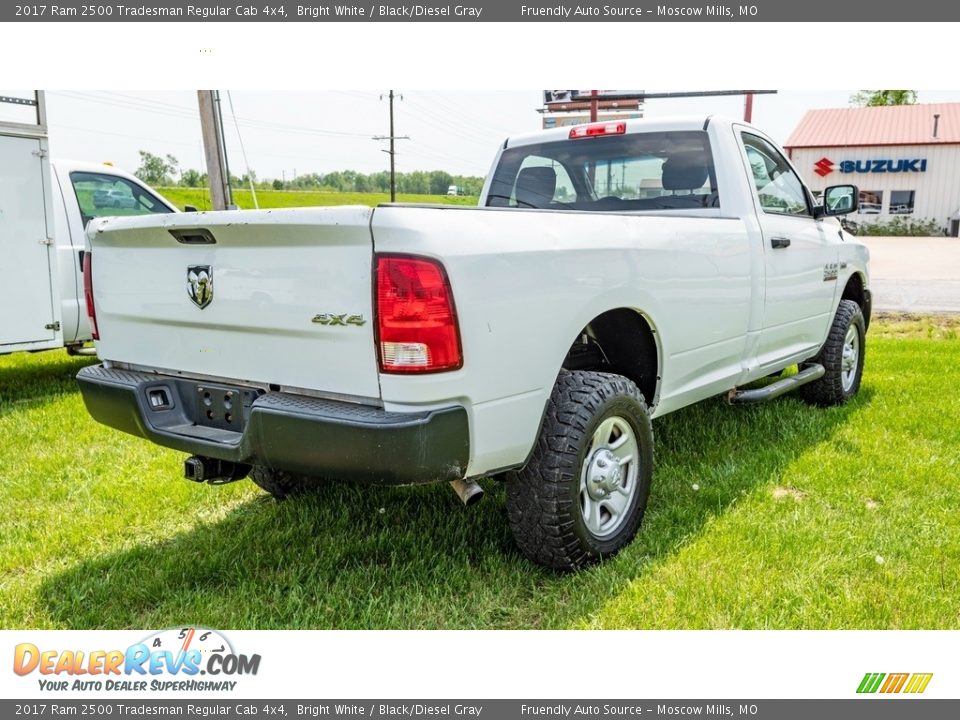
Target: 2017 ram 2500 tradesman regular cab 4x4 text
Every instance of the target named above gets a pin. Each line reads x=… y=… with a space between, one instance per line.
x=614 y=272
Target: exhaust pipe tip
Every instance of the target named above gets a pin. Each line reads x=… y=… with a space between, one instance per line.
x=469 y=492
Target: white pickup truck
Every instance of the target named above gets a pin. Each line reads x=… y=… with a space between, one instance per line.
x=613 y=273
x=44 y=208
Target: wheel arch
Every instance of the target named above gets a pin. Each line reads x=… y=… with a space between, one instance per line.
x=856 y=290
x=622 y=340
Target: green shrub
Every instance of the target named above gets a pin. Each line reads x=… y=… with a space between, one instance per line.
x=901 y=227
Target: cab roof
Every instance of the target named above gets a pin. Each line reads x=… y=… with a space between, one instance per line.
x=636 y=125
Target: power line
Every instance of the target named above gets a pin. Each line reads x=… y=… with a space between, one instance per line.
x=445 y=125
x=174 y=110
x=466 y=118
x=192 y=145
x=439 y=157
x=223 y=145
x=122 y=104
x=171 y=111
x=123 y=135
x=372 y=97
x=243 y=151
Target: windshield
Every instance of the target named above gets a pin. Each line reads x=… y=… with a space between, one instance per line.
x=100 y=195
x=642 y=171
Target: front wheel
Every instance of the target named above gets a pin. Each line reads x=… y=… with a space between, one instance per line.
x=842 y=357
x=583 y=493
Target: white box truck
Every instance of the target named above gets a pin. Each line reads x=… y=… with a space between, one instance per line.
x=44 y=208
x=28 y=293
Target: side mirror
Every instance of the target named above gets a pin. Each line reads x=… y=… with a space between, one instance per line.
x=189 y=208
x=840 y=200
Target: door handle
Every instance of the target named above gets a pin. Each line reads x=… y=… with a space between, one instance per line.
x=779 y=242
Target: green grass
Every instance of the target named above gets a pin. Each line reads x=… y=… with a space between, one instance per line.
x=200 y=198
x=804 y=518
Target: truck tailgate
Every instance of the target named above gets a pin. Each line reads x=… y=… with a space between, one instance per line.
x=280 y=297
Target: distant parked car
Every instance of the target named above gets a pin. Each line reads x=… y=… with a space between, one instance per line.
x=114 y=197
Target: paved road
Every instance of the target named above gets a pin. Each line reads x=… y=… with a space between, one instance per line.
x=916 y=296
x=920 y=275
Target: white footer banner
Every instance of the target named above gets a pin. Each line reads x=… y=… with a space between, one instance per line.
x=194 y=662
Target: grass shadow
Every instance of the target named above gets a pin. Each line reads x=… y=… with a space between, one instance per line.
x=358 y=557
x=27 y=378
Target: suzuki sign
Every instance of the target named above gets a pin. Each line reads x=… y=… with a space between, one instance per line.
x=825 y=166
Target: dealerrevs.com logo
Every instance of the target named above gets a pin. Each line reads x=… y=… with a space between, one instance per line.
x=179 y=659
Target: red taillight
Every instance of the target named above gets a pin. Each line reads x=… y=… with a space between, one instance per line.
x=597 y=129
x=88 y=293
x=416 y=320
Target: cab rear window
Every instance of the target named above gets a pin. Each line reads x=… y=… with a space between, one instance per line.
x=642 y=171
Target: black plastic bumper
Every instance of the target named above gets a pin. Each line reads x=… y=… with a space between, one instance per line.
x=300 y=434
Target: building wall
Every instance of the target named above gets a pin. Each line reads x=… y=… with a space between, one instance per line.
x=937 y=189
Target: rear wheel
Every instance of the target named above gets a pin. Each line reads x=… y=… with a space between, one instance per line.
x=280 y=483
x=583 y=493
x=842 y=357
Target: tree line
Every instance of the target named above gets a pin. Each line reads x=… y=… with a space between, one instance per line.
x=165 y=171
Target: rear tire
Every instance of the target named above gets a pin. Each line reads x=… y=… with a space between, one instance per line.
x=280 y=483
x=842 y=357
x=583 y=493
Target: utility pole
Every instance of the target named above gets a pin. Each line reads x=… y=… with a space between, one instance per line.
x=748 y=107
x=392 y=152
x=211 y=126
x=393 y=168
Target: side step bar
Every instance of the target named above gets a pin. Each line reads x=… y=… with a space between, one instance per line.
x=808 y=373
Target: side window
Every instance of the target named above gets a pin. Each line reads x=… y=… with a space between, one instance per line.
x=901 y=202
x=778 y=187
x=100 y=195
x=542 y=182
x=871 y=202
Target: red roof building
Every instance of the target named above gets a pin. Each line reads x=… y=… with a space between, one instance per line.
x=905 y=159
x=935 y=124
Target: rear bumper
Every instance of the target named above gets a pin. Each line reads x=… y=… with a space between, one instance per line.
x=283 y=431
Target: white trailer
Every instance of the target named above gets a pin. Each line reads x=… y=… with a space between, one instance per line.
x=44 y=208
x=29 y=294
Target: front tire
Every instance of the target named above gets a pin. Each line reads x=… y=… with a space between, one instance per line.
x=583 y=493
x=842 y=357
